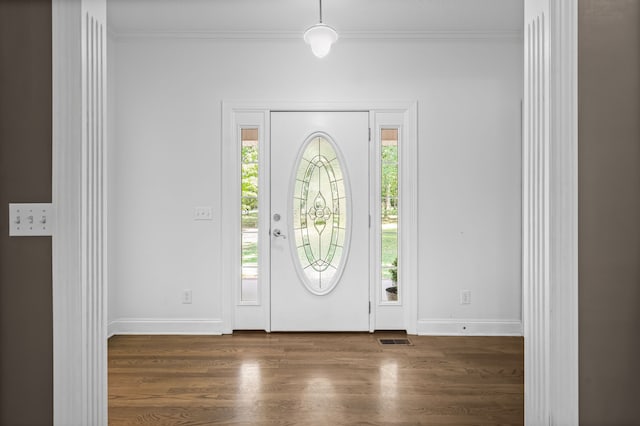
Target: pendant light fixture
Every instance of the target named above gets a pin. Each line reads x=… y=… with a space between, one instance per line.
x=320 y=37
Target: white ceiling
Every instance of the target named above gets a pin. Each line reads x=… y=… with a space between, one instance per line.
x=346 y=16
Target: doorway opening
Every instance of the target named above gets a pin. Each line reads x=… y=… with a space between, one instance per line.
x=315 y=243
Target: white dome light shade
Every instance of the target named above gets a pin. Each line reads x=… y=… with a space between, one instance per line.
x=320 y=37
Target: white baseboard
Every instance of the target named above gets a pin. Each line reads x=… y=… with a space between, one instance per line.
x=469 y=327
x=426 y=327
x=164 y=326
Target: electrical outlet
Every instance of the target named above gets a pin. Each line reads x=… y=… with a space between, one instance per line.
x=186 y=296
x=465 y=297
x=30 y=220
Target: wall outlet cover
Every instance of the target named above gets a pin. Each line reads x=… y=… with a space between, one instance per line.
x=187 y=297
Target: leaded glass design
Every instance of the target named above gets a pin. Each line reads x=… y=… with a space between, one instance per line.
x=320 y=215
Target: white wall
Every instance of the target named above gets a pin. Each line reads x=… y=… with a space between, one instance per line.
x=166 y=149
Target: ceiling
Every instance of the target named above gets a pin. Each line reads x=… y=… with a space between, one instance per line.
x=294 y=16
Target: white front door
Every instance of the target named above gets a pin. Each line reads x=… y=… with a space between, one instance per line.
x=319 y=221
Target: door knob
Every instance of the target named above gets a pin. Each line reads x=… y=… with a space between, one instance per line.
x=277 y=233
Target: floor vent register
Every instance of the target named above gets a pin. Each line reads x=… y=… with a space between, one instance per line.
x=394 y=341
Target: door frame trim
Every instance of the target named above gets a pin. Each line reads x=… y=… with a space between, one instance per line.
x=79 y=196
x=238 y=114
x=70 y=341
x=550 y=212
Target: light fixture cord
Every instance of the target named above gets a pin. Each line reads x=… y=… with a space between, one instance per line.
x=321 y=11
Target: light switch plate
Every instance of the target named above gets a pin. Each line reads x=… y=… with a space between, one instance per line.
x=203 y=213
x=30 y=220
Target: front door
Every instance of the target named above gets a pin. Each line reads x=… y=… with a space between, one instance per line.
x=319 y=221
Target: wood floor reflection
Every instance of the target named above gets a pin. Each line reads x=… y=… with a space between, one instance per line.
x=315 y=379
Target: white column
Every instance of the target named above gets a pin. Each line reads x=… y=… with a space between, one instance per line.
x=550 y=213
x=79 y=198
x=563 y=206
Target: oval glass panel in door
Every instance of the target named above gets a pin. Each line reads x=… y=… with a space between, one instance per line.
x=320 y=214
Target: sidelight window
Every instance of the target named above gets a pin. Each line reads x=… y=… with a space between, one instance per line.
x=249 y=212
x=389 y=207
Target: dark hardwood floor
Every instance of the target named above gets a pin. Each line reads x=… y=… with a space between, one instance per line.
x=315 y=379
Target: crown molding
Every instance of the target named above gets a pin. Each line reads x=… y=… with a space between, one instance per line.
x=297 y=35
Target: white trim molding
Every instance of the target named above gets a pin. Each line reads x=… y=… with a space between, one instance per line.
x=535 y=239
x=469 y=327
x=563 y=206
x=441 y=35
x=202 y=326
x=79 y=200
x=550 y=238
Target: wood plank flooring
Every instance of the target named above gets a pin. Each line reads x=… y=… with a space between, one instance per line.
x=315 y=379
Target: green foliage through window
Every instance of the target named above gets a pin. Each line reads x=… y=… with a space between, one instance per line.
x=389 y=186
x=249 y=178
x=249 y=214
x=389 y=183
